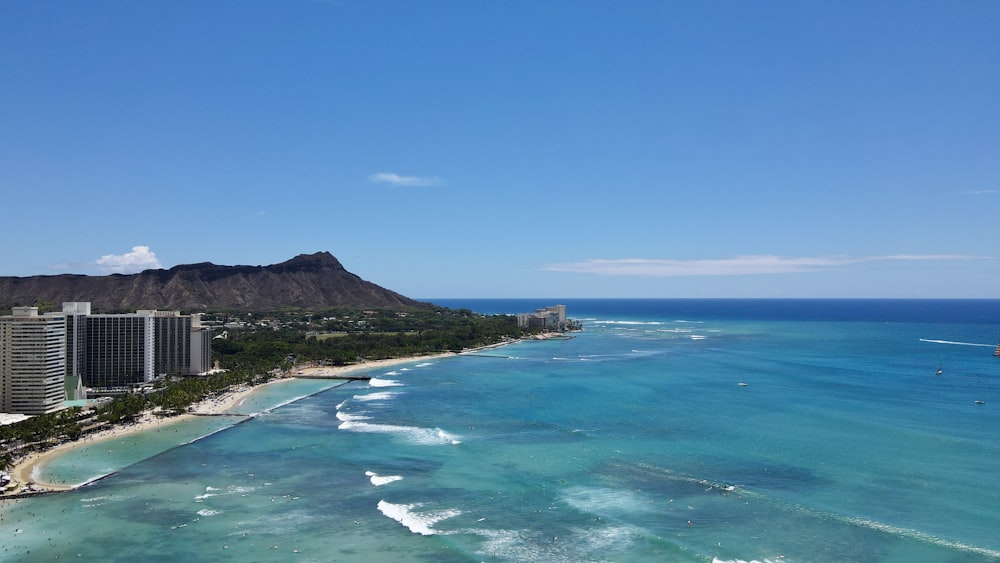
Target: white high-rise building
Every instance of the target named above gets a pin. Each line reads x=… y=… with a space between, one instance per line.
x=32 y=361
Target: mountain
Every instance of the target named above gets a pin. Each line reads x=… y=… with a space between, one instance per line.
x=308 y=281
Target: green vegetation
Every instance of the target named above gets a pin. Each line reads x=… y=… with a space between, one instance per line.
x=261 y=346
x=344 y=336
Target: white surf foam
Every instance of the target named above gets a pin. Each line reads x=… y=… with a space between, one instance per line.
x=603 y=539
x=379 y=480
x=380 y=396
x=606 y=501
x=207 y=512
x=413 y=434
x=376 y=382
x=240 y=490
x=417 y=522
x=922 y=536
x=282 y=404
x=345 y=417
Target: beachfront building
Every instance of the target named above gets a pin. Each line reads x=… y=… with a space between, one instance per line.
x=120 y=351
x=109 y=353
x=551 y=318
x=76 y=348
x=201 y=346
x=32 y=361
x=172 y=341
x=115 y=352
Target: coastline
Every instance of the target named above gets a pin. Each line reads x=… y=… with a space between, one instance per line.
x=24 y=471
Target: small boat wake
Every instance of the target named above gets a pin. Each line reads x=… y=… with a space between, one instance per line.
x=955 y=343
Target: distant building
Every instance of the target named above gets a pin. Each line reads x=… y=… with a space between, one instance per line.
x=32 y=361
x=551 y=318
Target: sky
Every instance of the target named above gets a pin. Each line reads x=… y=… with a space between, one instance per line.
x=475 y=148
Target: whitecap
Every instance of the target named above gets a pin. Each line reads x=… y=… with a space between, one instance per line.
x=345 y=417
x=413 y=434
x=417 y=522
x=207 y=512
x=376 y=382
x=379 y=480
x=380 y=396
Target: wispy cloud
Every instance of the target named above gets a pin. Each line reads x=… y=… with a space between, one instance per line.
x=407 y=181
x=928 y=257
x=735 y=266
x=141 y=258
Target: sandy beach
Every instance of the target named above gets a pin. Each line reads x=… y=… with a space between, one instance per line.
x=339 y=371
x=24 y=471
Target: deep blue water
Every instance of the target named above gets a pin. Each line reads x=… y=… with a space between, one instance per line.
x=668 y=430
x=966 y=311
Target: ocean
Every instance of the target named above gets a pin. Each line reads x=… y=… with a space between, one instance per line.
x=667 y=430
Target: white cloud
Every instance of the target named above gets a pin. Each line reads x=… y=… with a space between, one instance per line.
x=735 y=266
x=408 y=181
x=141 y=258
x=930 y=257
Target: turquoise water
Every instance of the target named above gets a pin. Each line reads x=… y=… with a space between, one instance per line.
x=633 y=441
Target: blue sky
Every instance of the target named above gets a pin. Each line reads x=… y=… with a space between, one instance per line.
x=511 y=149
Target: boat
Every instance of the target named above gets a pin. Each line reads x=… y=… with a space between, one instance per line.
x=997 y=351
x=980 y=402
x=743 y=384
x=939 y=371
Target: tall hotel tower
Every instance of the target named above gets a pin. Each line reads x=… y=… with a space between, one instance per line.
x=32 y=361
x=115 y=352
x=120 y=351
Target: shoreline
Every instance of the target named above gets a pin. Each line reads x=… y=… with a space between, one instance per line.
x=23 y=471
